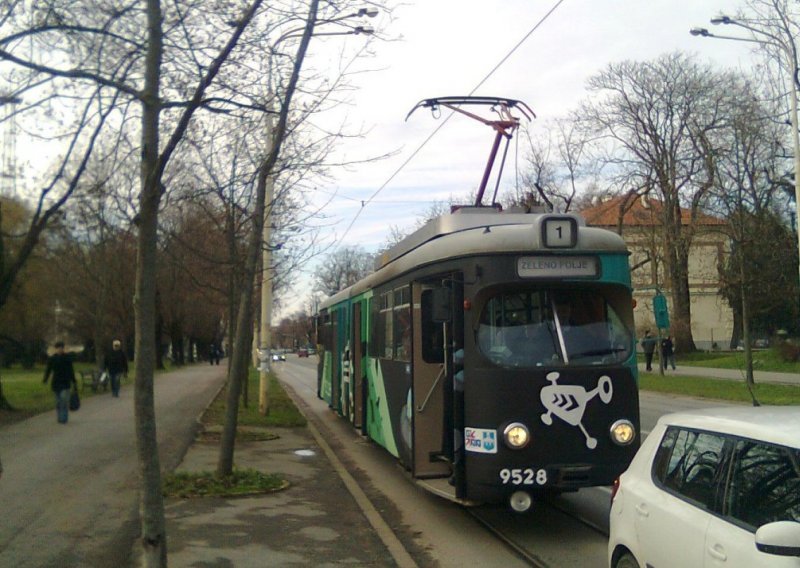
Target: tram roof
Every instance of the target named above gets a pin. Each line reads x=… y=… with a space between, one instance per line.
x=472 y=231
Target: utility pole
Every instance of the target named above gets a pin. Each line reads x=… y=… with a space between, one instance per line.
x=784 y=42
x=8 y=173
x=266 y=289
x=264 y=349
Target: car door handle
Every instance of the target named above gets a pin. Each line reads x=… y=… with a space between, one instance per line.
x=642 y=510
x=718 y=552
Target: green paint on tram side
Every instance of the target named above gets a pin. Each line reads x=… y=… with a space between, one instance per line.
x=327 y=371
x=615 y=268
x=379 y=426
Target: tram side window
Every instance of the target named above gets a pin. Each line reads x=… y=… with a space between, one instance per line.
x=375 y=330
x=402 y=324
x=432 y=332
x=382 y=344
x=324 y=330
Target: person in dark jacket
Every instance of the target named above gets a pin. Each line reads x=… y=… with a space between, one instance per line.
x=116 y=365
x=59 y=364
x=667 y=353
x=649 y=347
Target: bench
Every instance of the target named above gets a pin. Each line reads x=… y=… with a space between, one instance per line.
x=92 y=379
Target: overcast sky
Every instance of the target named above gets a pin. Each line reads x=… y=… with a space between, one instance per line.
x=448 y=46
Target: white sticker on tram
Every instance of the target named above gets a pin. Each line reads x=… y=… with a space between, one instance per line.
x=480 y=440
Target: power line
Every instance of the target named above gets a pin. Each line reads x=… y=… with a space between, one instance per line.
x=448 y=117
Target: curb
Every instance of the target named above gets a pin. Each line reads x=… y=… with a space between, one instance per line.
x=382 y=529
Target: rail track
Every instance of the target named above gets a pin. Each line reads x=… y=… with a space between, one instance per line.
x=557 y=533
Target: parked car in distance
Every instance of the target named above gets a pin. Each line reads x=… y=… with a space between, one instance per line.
x=716 y=487
x=302 y=352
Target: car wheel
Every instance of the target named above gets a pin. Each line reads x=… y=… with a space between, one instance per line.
x=626 y=561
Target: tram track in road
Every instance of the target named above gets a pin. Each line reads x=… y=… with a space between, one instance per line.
x=554 y=534
x=518 y=549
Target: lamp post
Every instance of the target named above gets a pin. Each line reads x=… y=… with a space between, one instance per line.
x=264 y=348
x=765 y=38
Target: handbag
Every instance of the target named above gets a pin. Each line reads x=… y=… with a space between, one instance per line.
x=74 y=400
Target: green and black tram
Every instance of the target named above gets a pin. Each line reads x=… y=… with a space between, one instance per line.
x=492 y=354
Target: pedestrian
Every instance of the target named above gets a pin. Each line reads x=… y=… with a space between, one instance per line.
x=59 y=364
x=649 y=347
x=214 y=355
x=116 y=365
x=667 y=353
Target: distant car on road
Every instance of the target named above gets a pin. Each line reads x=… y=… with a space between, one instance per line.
x=711 y=488
x=278 y=357
x=302 y=352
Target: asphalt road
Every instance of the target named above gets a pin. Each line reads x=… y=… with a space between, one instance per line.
x=69 y=493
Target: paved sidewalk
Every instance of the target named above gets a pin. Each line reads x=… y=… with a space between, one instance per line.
x=732 y=374
x=314 y=522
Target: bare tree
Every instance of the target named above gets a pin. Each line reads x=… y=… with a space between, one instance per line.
x=774 y=26
x=750 y=200
x=119 y=55
x=557 y=168
x=659 y=121
x=343 y=268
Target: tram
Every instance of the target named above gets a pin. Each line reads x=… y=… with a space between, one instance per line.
x=492 y=353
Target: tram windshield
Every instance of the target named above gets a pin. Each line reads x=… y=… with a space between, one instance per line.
x=544 y=327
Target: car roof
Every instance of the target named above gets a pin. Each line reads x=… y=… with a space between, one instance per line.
x=776 y=424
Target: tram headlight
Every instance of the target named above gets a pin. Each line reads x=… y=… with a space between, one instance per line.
x=516 y=435
x=622 y=432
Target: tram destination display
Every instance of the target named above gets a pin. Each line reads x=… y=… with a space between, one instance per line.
x=556 y=266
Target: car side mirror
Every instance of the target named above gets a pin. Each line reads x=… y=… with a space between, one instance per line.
x=781 y=538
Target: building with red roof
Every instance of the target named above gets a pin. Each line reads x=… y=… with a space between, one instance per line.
x=638 y=219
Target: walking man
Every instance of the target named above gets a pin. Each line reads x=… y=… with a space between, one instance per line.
x=649 y=347
x=667 y=353
x=117 y=366
x=59 y=364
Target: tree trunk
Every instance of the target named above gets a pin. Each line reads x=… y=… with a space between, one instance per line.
x=677 y=267
x=159 y=333
x=241 y=347
x=748 y=350
x=153 y=533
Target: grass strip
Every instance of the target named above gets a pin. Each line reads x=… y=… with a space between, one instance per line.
x=719 y=389
x=282 y=411
x=240 y=483
x=251 y=427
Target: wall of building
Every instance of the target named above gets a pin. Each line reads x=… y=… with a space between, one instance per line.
x=712 y=318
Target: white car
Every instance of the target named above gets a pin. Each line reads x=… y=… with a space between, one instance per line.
x=717 y=487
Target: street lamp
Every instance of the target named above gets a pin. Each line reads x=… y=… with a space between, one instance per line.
x=765 y=38
x=266 y=255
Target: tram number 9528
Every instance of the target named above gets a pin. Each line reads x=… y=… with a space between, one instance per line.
x=527 y=476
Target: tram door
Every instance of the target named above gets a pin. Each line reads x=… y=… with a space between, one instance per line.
x=357 y=374
x=428 y=388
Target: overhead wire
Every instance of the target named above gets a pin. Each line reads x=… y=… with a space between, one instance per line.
x=402 y=166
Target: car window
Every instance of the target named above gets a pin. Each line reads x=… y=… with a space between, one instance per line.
x=765 y=484
x=688 y=464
